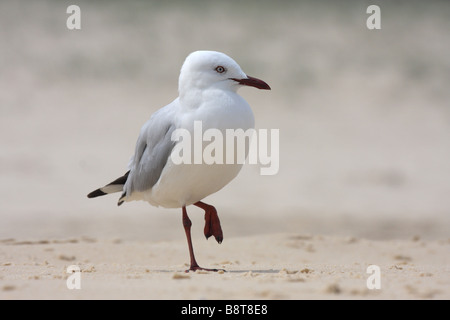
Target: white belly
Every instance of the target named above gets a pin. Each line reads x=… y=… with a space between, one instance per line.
x=184 y=184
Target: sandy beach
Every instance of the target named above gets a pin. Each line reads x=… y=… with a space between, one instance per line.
x=279 y=266
x=364 y=176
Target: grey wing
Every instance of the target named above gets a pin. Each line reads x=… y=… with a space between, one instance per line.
x=153 y=149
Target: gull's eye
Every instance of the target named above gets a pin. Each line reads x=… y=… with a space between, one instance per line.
x=220 y=69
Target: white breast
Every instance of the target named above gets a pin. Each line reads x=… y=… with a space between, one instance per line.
x=185 y=184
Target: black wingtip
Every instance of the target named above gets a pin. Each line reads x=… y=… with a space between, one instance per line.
x=121 y=199
x=96 y=193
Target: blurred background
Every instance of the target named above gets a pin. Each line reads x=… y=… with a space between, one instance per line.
x=364 y=116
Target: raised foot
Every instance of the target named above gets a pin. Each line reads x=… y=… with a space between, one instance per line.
x=212 y=225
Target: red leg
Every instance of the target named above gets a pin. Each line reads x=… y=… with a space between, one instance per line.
x=187 y=228
x=212 y=222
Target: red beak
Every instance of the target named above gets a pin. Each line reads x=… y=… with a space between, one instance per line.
x=253 y=82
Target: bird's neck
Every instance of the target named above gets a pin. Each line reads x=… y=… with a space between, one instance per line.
x=191 y=99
